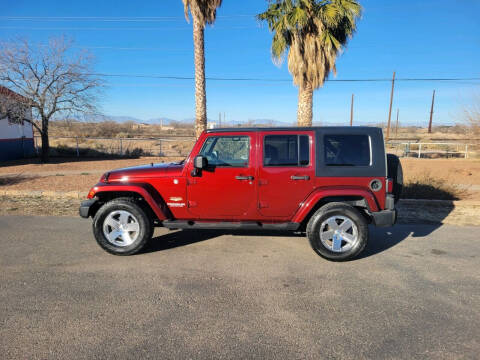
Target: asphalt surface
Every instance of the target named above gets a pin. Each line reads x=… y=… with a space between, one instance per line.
x=415 y=293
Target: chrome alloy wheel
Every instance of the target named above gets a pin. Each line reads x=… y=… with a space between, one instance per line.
x=121 y=228
x=338 y=233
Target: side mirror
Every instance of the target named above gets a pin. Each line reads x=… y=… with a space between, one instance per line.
x=200 y=162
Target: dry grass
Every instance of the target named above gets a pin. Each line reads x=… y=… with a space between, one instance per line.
x=112 y=129
x=118 y=148
x=433 y=188
x=37 y=205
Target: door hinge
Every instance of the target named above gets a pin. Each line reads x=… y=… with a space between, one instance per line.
x=262 y=204
x=262 y=182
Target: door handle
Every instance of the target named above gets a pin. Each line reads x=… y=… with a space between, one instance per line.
x=244 y=177
x=294 y=177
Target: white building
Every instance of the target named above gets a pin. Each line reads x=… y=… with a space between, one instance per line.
x=16 y=135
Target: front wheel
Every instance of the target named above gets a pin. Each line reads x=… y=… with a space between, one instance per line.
x=337 y=232
x=122 y=227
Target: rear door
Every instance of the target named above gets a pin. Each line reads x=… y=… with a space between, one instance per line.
x=286 y=171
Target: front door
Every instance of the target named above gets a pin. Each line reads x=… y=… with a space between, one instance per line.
x=226 y=188
x=286 y=172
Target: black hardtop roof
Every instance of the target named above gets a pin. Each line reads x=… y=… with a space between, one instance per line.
x=345 y=129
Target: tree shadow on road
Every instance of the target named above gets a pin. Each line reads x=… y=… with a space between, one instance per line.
x=180 y=238
x=415 y=219
x=382 y=239
x=16 y=179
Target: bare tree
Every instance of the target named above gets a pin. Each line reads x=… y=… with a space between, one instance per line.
x=52 y=80
x=472 y=115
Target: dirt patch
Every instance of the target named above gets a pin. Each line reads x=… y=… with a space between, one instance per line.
x=456 y=171
x=448 y=179
x=38 y=205
x=58 y=182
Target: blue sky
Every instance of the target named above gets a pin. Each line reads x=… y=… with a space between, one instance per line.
x=428 y=38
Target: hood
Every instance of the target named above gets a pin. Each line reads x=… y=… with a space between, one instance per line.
x=145 y=171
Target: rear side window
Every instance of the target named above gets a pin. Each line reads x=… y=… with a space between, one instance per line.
x=286 y=150
x=347 y=150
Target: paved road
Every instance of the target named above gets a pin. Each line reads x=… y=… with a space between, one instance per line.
x=414 y=294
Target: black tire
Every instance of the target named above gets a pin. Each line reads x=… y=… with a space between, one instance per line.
x=331 y=210
x=130 y=205
x=395 y=172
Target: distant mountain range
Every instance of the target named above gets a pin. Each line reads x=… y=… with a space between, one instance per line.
x=167 y=121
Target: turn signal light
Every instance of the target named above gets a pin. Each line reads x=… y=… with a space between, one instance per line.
x=91 y=193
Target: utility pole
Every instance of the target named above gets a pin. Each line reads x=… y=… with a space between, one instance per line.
x=390 y=110
x=431 y=114
x=396 y=125
x=224 y=121
x=351 y=111
x=219 y=119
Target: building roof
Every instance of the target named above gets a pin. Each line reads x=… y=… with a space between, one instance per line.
x=12 y=94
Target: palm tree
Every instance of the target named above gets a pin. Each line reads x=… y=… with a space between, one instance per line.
x=203 y=12
x=313 y=33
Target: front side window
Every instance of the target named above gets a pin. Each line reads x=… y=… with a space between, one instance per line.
x=347 y=150
x=286 y=150
x=228 y=151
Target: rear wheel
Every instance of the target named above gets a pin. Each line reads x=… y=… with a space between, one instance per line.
x=337 y=232
x=122 y=227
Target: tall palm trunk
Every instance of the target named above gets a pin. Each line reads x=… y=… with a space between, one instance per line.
x=305 y=105
x=200 y=96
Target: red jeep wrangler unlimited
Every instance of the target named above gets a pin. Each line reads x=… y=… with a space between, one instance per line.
x=330 y=182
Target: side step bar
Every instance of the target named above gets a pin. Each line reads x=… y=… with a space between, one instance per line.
x=183 y=224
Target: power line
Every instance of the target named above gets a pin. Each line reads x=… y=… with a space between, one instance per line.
x=117 y=28
x=217 y=78
x=91 y=28
x=110 y=18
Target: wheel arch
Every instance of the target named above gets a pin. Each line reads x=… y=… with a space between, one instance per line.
x=146 y=195
x=361 y=199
